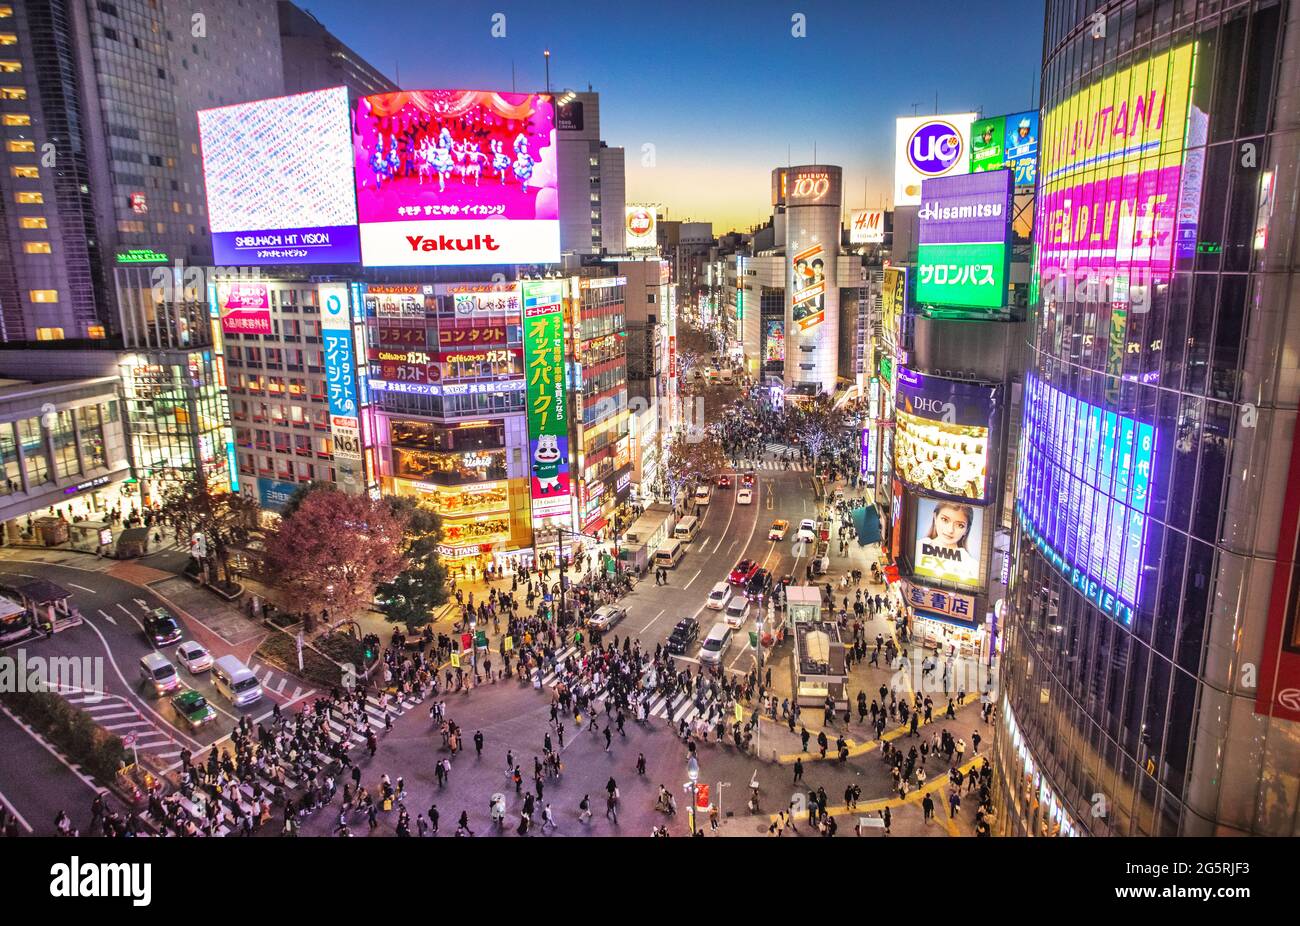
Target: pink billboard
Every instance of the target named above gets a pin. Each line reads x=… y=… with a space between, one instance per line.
x=456 y=177
x=1125 y=223
x=245 y=307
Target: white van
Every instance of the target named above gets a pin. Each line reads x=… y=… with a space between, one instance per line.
x=702 y=495
x=236 y=681
x=159 y=675
x=686 y=528
x=719 y=597
x=715 y=644
x=670 y=553
x=737 y=611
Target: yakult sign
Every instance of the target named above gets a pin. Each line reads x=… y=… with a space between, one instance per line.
x=929 y=146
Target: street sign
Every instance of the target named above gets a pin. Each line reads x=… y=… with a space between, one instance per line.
x=753 y=644
x=466 y=641
x=510 y=644
x=455 y=660
x=128 y=740
x=480 y=639
x=740 y=709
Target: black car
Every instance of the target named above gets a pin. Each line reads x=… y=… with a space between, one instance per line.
x=683 y=635
x=160 y=628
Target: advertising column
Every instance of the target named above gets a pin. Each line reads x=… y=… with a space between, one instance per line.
x=812 y=249
x=341 y=385
x=547 y=398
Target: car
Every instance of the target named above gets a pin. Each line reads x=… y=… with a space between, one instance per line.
x=747 y=480
x=807 y=531
x=719 y=596
x=606 y=616
x=194 y=657
x=787 y=579
x=745 y=497
x=736 y=613
x=778 y=529
x=758 y=584
x=194 y=708
x=702 y=495
x=683 y=635
x=724 y=482
x=744 y=569
x=161 y=628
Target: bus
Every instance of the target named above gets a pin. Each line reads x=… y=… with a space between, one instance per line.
x=686 y=528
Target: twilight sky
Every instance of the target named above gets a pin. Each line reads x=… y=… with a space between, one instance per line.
x=721 y=90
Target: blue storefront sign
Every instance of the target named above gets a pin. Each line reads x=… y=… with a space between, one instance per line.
x=273 y=494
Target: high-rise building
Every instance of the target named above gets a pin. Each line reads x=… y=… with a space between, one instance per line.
x=314 y=58
x=591 y=181
x=101 y=147
x=1149 y=670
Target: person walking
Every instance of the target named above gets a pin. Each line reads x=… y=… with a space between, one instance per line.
x=927 y=806
x=640 y=763
x=478 y=743
x=584 y=809
x=798 y=770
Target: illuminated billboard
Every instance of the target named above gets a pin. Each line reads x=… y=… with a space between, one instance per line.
x=245 y=307
x=640 y=228
x=774 y=341
x=949 y=541
x=927 y=147
x=341 y=383
x=964 y=238
x=1120 y=194
x=546 y=395
x=278 y=177
x=456 y=177
x=867 y=226
x=809 y=296
x=1006 y=141
x=941 y=444
x=893 y=302
x=1085 y=479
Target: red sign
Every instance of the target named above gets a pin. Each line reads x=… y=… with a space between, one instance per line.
x=466 y=642
x=1278 y=694
x=702 y=797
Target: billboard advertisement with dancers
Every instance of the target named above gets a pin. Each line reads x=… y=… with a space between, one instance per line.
x=456 y=177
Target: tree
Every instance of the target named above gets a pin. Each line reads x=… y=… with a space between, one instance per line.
x=298 y=494
x=694 y=456
x=819 y=424
x=334 y=550
x=224 y=519
x=420 y=587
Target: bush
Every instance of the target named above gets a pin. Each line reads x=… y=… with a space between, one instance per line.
x=72 y=731
x=281 y=649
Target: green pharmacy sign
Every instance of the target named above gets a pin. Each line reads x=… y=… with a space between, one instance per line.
x=962 y=275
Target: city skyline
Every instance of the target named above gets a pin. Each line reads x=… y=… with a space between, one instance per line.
x=712 y=162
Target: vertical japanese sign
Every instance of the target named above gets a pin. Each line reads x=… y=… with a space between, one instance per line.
x=548 y=418
x=341 y=384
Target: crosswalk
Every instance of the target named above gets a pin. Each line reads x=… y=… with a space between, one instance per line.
x=675 y=708
x=244 y=794
x=120 y=717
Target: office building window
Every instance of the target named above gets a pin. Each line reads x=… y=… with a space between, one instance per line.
x=33 y=221
x=10 y=67
x=34 y=456
x=29 y=198
x=43 y=295
x=20 y=146
x=17 y=119
x=13 y=93
x=36 y=247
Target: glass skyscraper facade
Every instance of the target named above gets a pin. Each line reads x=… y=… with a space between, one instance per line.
x=1152 y=577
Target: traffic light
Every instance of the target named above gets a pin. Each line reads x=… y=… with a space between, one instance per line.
x=371 y=647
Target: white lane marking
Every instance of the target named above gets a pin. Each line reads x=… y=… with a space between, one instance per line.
x=651 y=621
x=127 y=686
x=280 y=689
x=693 y=578
x=8 y=805
x=130 y=615
x=104 y=614
x=83 y=588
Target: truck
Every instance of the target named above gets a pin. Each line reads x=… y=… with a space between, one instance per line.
x=643 y=539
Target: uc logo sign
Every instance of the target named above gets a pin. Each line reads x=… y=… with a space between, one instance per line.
x=934 y=147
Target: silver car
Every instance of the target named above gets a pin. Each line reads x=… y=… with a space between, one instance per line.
x=194 y=657
x=606 y=616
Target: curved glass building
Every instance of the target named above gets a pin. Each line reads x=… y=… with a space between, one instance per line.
x=1150 y=680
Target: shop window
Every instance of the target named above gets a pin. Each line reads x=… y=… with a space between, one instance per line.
x=34 y=453
x=90 y=430
x=11 y=479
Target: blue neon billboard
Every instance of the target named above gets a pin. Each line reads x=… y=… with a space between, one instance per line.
x=1085 y=478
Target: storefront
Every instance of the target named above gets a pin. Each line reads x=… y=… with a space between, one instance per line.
x=949 y=622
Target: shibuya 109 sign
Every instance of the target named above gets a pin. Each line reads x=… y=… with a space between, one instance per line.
x=547 y=398
x=964 y=240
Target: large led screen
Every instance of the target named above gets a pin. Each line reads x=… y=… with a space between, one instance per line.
x=456 y=177
x=963 y=238
x=279 y=183
x=1085 y=477
x=941 y=442
x=1120 y=176
x=949 y=541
